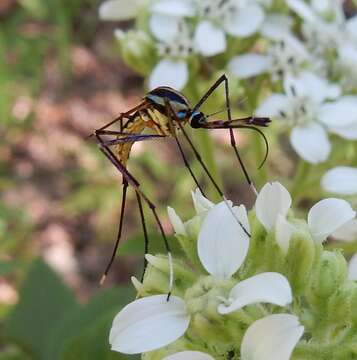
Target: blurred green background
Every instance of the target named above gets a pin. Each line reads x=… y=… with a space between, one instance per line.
x=60 y=78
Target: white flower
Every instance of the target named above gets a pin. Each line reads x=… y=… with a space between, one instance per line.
x=175 y=46
x=273 y=337
x=189 y=355
x=340 y=180
x=347 y=232
x=285 y=54
x=222 y=248
x=327 y=30
x=119 y=9
x=340 y=117
x=323 y=219
x=201 y=204
x=300 y=107
x=216 y=18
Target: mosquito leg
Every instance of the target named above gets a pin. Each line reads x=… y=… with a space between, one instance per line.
x=220 y=192
x=233 y=140
x=146 y=238
x=123 y=201
x=136 y=185
x=220 y=80
x=122 y=116
x=188 y=166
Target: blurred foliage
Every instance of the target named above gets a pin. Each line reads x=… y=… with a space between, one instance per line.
x=48 y=323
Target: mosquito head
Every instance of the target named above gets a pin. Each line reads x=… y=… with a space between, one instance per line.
x=197 y=119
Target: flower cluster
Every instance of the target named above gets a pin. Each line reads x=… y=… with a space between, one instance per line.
x=309 y=47
x=273 y=293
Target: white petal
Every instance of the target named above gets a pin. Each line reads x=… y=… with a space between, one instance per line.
x=201 y=203
x=222 y=244
x=283 y=232
x=352 y=27
x=347 y=232
x=173 y=8
x=340 y=180
x=352 y=268
x=189 y=355
x=176 y=221
x=272 y=288
x=245 y=21
x=311 y=143
x=348 y=132
x=271 y=338
x=169 y=73
x=303 y=10
x=328 y=215
x=209 y=39
x=119 y=9
x=347 y=52
x=148 y=324
x=275 y=25
x=340 y=113
x=273 y=106
x=309 y=85
x=273 y=200
x=248 y=65
x=164 y=28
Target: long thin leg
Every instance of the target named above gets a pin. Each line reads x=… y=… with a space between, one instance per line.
x=121 y=117
x=146 y=238
x=125 y=187
x=220 y=192
x=136 y=185
x=233 y=140
x=188 y=165
x=219 y=81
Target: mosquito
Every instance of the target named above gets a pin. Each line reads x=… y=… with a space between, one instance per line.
x=165 y=112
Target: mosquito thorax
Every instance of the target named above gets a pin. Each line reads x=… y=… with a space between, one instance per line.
x=197 y=119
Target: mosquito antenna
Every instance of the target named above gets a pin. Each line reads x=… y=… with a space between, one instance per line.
x=264 y=138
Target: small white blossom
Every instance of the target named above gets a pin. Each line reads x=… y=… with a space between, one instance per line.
x=340 y=180
x=285 y=53
x=118 y=10
x=222 y=248
x=328 y=31
x=323 y=219
x=300 y=107
x=273 y=337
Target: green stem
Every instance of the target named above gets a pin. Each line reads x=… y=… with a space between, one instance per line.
x=301 y=176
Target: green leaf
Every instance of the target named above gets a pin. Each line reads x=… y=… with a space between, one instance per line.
x=76 y=322
x=44 y=300
x=92 y=343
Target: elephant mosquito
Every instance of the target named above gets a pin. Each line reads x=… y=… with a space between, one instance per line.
x=165 y=112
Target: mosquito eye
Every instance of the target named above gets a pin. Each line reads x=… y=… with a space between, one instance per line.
x=197 y=120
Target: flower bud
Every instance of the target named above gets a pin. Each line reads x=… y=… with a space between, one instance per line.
x=157 y=275
x=137 y=49
x=328 y=276
x=300 y=258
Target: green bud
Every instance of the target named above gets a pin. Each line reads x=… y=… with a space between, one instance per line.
x=300 y=258
x=329 y=274
x=137 y=49
x=202 y=301
x=188 y=243
x=157 y=275
x=339 y=309
x=354 y=303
